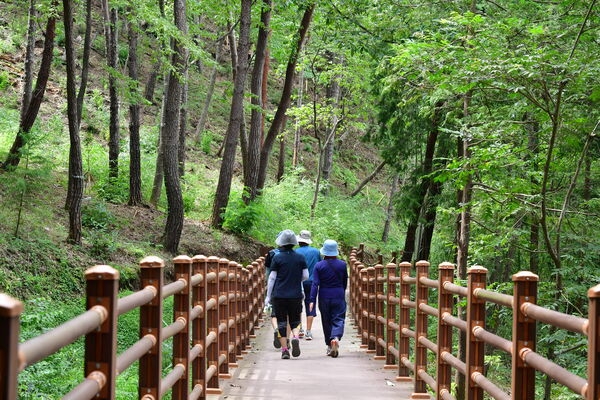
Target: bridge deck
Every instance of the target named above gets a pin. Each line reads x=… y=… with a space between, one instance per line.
x=262 y=374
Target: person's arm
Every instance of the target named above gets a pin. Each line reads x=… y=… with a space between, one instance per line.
x=270 y=285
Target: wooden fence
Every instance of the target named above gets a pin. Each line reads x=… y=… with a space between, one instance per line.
x=216 y=307
x=392 y=310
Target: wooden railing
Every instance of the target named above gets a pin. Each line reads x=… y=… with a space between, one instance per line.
x=392 y=310
x=216 y=307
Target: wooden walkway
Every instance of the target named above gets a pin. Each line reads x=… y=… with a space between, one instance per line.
x=262 y=374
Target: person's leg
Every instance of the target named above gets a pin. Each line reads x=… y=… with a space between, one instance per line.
x=310 y=315
x=281 y=315
x=325 y=319
x=295 y=315
x=276 y=342
x=338 y=318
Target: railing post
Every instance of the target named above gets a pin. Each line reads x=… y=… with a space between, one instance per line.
x=391 y=315
x=355 y=292
x=199 y=324
x=404 y=322
x=181 y=341
x=102 y=289
x=254 y=287
x=150 y=366
x=371 y=309
x=524 y=335
x=421 y=328
x=234 y=311
x=477 y=278
x=247 y=308
x=224 y=320
x=379 y=312
x=212 y=321
x=364 y=308
x=10 y=316
x=593 y=388
x=444 y=331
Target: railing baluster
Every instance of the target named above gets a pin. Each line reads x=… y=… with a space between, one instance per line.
x=421 y=328
x=523 y=335
x=10 y=317
x=475 y=318
x=181 y=341
x=593 y=388
x=199 y=365
x=102 y=289
x=391 y=315
x=379 y=312
x=404 y=340
x=445 y=305
x=150 y=366
x=212 y=352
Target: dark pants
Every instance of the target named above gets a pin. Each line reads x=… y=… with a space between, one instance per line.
x=287 y=310
x=307 y=286
x=333 y=318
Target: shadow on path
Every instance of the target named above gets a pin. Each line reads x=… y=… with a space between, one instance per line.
x=262 y=374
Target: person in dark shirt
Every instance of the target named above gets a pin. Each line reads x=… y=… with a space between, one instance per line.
x=313 y=256
x=330 y=279
x=288 y=270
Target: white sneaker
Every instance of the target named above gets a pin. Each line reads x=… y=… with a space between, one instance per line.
x=308 y=335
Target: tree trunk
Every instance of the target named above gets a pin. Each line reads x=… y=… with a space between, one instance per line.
x=85 y=62
x=30 y=111
x=281 y=163
x=29 y=55
x=252 y=160
x=430 y=213
x=333 y=98
x=368 y=179
x=235 y=118
x=390 y=209
x=298 y=130
x=463 y=237
x=75 y=159
x=183 y=124
x=157 y=184
x=135 y=164
x=171 y=133
x=286 y=94
x=110 y=33
x=209 y=92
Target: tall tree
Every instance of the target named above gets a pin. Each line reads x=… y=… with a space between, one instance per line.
x=135 y=165
x=170 y=132
x=31 y=102
x=75 y=158
x=235 y=117
x=286 y=94
x=111 y=36
x=255 y=137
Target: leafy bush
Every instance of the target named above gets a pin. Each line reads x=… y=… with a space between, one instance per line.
x=95 y=215
x=239 y=217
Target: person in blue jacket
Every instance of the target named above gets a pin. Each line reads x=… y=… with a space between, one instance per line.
x=330 y=280
x=313 y=256
x=284 y=290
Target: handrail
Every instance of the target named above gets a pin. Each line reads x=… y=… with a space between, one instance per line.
x=217 y=305
x=392 y=307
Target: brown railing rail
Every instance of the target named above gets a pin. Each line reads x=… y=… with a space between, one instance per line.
x=392 y=310
x=217 y=304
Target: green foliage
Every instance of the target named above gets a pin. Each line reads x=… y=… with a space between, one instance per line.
x=206 y=141
x=4 y=80
x=95 y=215
x=240 y=217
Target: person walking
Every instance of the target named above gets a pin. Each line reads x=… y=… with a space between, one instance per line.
x=288 y=271
x=313 y=256
x=330 y=279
